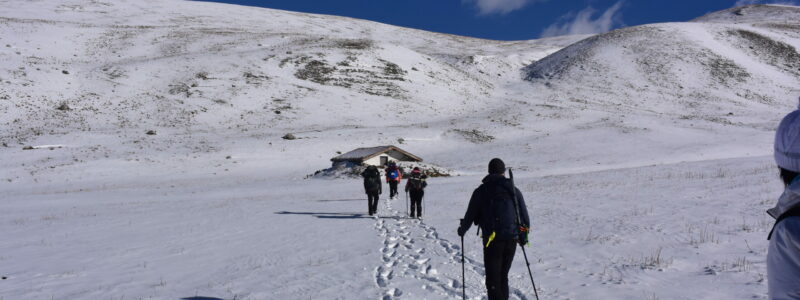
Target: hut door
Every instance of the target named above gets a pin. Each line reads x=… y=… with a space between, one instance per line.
x=384 y=160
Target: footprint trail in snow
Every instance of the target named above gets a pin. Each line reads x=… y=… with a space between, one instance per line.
x=417 y=263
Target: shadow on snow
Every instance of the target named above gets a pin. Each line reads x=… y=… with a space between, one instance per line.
x=341 y=200
x=332 y=215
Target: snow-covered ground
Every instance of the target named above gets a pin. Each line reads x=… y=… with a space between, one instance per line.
x=678 y=231
x=143 y=158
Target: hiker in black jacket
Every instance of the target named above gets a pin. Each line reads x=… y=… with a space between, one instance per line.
x=415 y=186
x=373 y=187
x=492 y=208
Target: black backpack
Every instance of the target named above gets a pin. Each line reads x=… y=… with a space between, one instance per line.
x=415 y=182
x=500 y=213
x=372 y=180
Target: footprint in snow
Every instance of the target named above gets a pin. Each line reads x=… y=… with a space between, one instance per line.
x=395 y=292
x=392 y=293
x=381 y=282
x=429 y=270
x=454 y=284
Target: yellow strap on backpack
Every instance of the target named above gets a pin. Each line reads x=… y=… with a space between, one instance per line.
x=491 y=238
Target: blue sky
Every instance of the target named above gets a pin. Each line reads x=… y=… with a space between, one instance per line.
x=510 y=19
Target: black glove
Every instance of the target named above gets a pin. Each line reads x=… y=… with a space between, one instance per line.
x=523 y=236
x=461 y=231
x=523 y=239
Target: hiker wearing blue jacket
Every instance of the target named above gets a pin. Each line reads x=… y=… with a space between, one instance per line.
x=393 y=177
x=492 y=209
x=783 y=256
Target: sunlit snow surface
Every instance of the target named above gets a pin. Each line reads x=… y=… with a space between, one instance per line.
x=155 y=169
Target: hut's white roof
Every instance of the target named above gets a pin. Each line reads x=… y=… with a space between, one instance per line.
x=362 y=154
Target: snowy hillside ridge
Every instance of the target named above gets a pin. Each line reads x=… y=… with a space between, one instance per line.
x=699 y=67
x=131 y=64
x=757 y=13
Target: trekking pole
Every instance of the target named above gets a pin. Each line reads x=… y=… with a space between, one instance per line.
x=463 y=281
x=519 y=224
x=407 y=214
x=535 y=293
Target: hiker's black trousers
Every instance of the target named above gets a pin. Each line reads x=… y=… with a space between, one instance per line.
x=497 y=260
x=416 y=202
x=392 y=188
x=372 y=202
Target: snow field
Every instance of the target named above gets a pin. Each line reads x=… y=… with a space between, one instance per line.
x=692 y=230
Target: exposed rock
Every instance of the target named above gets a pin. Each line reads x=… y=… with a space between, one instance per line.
x=63 y=106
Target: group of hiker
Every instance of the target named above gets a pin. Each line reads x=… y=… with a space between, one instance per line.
x=496 y=206
x=499 y=210
x=415 y=187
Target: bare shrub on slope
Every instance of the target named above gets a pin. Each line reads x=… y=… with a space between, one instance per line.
x=316 y=71
x=474 y=135
x=725 y=70
x=354 y=44
x=773 y=52
x=372 y=80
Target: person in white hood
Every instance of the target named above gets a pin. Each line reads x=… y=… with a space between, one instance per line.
x=783 y=258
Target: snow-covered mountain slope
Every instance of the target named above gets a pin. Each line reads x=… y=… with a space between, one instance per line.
x=179 y=68
x=155 y=131
x=736 y=75
x=753 y=14
x=181 y=64
x=125 y=67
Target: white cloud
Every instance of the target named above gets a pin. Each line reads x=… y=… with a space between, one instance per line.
x=487 y=7
x=583 y=23
x=750 y=2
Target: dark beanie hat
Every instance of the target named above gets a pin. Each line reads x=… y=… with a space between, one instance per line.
x=497 y=166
